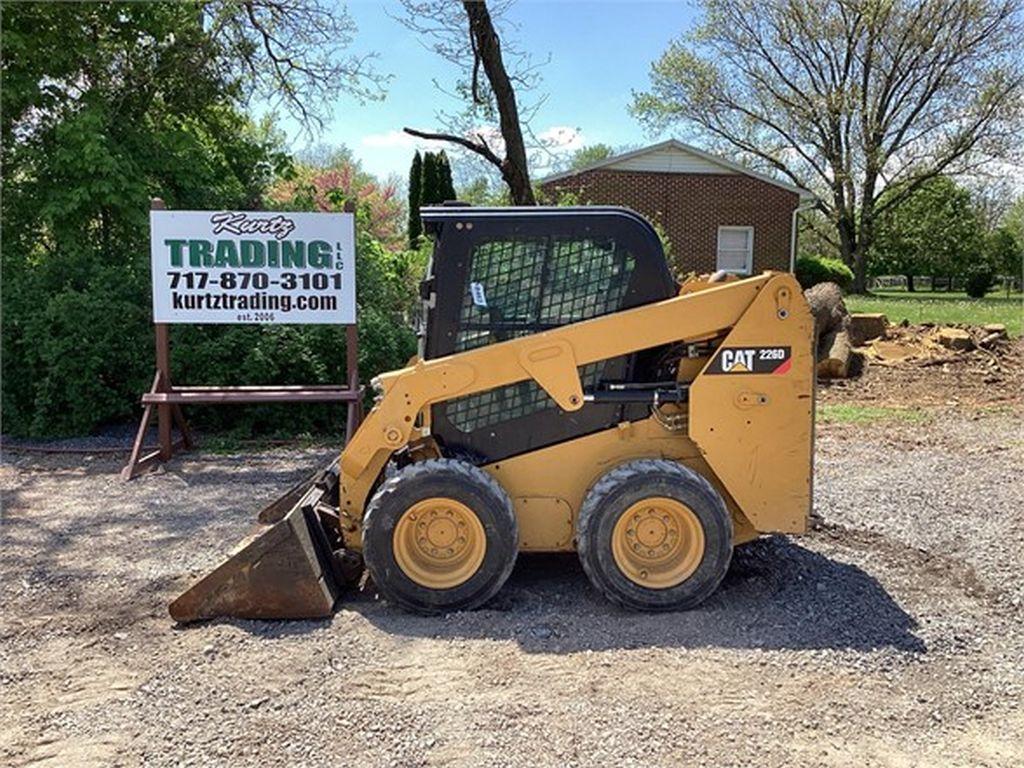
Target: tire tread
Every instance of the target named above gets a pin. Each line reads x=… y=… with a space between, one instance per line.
x=430 y=468
x=606 y=485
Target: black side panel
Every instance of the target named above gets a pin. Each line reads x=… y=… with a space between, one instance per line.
x=499 y=274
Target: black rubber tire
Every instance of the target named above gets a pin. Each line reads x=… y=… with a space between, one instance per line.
x=622 y=487
x=452 y=479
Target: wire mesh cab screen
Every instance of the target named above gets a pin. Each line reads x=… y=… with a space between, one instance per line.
x=507 y=273
x=518 y=287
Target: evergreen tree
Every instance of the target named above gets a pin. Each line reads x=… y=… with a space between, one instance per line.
x=415 y=199
x=446 y=187
x=430 y=189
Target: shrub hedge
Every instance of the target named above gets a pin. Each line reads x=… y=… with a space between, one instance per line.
x=811 y=270
x=82 y=357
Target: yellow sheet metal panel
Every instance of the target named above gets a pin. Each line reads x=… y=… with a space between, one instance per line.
x=545 y=523
x=566 y=471
x=407 y=391
x=751 y=409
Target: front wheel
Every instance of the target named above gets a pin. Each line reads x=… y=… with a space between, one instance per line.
x=654 y=535
x=440 y=536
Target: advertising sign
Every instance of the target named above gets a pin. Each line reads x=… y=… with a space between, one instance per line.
x=253 y=267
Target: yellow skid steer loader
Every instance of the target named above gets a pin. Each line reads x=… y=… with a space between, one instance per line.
x=567 y=395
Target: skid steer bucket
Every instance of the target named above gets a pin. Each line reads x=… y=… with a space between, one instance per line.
x=286 y=569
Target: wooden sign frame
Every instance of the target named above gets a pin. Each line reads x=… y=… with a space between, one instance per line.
x=168 y=399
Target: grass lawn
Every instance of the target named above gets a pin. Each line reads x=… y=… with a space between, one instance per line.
x=843 y=413
x=942 y=307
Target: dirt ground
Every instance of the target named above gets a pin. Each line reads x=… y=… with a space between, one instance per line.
x=892 y=634
x=978 y=378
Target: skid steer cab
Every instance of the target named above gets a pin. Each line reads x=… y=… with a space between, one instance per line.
x=568 y=395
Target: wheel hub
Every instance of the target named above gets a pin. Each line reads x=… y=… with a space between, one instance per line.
x=439 y=543
x=658 y=543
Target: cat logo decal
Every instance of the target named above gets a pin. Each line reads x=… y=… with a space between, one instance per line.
x=740 y=360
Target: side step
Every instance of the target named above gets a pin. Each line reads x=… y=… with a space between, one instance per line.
x=286 y=569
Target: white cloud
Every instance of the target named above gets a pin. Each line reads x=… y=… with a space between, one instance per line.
x=562 y=137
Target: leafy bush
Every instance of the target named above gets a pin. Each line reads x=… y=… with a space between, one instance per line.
x=811 y=270
x=386 y=300
x=979 y=279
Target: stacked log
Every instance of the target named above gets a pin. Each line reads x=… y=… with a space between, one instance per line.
x=834 y=350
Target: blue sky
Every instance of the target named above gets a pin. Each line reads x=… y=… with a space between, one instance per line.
x=600 y=52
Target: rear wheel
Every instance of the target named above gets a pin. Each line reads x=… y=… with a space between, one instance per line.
x=440 y=535
x=654 y=535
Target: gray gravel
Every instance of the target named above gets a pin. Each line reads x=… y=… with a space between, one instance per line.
x=890 y=635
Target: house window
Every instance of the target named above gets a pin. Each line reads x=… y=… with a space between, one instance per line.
x=736 y=249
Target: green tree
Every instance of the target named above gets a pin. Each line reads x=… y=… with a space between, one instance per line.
x=430 y=189
x=415 y=188
x=934 y=231
x=1014 y=219
x=1005 y=252
x=445 y=186
x=848 y=98
x=105 y=105
x=590 y=154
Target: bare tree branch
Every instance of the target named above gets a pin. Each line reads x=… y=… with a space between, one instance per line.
x=480 y=148
x=475 y=30
x=293 y=53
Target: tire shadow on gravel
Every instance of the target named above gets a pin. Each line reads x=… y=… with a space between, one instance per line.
x=777 y=595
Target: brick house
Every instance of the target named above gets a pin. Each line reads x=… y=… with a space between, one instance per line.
x=716 y=214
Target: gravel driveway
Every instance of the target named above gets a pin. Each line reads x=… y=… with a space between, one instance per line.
x=893 y=634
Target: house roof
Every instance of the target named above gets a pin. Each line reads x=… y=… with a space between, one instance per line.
x=659 y=157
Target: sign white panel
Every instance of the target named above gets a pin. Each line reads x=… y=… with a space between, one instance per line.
x=253 y=267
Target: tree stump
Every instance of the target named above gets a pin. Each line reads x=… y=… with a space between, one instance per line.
x=866 y=326
x=833 y=349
